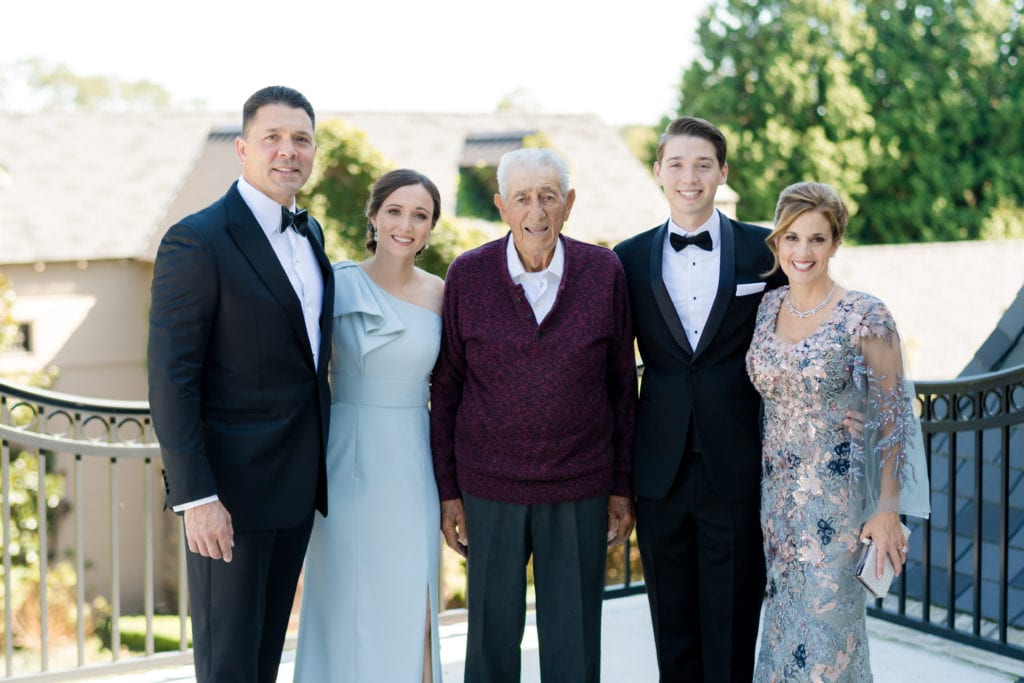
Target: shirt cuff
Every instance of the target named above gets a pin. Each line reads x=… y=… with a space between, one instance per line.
x=195 y=503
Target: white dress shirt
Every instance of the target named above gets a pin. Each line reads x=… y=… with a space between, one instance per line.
x=296 y=256
x=300 y=265
x=541 y=288
x=691 y=276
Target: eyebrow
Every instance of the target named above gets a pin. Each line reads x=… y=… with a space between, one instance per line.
x=680 y=158
x=402 y=206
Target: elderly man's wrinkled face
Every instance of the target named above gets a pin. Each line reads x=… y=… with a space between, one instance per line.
x=535 y=211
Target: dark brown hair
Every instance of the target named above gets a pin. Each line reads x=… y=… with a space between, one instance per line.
x=692 y=127
x=274 y=94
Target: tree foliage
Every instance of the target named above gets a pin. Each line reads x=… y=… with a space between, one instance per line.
x=49 y=87
x=910 y=109
x=8 y=328
x=346 y=167
x=947 y=91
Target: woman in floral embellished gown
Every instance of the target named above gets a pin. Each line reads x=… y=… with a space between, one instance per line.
x=819 y=351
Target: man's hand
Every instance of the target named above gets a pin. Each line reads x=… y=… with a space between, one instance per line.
x=620 y=519
x=453 y=525
x=208 y=530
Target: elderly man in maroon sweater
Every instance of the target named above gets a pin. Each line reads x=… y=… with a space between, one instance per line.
x=532 y=407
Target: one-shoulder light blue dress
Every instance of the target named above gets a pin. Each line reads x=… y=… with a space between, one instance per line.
x=372 y=563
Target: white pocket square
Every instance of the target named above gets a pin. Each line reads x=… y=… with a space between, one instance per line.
x=749 y=288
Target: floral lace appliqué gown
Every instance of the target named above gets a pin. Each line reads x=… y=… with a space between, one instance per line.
x=373 y=561
x=816 y=481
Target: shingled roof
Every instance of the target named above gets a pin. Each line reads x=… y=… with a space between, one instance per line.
x=946 y=297
x=83 y=186
x=86 y=186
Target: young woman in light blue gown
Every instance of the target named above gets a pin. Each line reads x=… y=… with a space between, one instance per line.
x=369 y=593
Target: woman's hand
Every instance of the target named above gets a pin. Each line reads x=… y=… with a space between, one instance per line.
x=884 y=528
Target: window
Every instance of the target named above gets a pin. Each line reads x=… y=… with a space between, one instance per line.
x=478 y=172
x=23 y=338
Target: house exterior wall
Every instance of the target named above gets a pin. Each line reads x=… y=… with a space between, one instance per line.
x=90 y=323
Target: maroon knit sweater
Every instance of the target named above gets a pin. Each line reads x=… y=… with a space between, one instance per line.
x=531 y=414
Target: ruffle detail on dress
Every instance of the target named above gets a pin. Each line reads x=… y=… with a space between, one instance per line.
x=356 y=295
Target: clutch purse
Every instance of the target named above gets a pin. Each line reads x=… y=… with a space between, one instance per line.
x=866 y=568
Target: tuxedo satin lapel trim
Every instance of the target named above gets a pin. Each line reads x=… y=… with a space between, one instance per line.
x=253 y=244
x=326 y=310
x=726 y=285
x=661 y=296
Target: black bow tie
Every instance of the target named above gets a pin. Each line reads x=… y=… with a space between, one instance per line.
x=297 y=221
x=701 y=239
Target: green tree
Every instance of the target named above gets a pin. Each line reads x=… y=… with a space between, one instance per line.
x=58 y=87
x=946 y=85
x=776 y=77
x=911 y=109
x=8 y=328
x=346 y=166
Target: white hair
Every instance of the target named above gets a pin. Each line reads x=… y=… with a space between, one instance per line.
x=532 y=158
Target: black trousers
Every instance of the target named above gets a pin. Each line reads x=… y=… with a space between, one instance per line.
x=703 y=562
x=240 y=609
x=568 y=542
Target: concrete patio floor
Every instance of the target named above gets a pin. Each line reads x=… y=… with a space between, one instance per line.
x=898 y=654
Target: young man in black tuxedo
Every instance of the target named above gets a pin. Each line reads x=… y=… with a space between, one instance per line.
x=695 y=283
x=238 y=348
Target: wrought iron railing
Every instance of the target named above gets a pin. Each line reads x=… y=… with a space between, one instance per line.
x=964 y=579
x=58 y=431
x=38 y=430
x=965 y=574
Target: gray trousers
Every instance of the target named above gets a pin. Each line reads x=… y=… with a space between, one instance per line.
x=568 y=543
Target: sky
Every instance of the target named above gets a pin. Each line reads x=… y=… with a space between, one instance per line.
x=623 y=61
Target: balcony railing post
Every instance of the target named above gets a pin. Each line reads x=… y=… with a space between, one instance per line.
x=182 y=590
x=115 y=570
x=1004 y=532
x=148 y=541
x=979 y=506
x=5 y=475
x=79 y=560
x=951 y=536
x=44 y=603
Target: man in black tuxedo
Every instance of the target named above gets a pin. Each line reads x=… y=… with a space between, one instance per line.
x=238 y=348
x=695 y=283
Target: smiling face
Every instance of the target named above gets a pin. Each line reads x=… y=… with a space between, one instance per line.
x=277 y=151
x=403 y=221
x=805 y=247
x=535 y=211
x=690 y=175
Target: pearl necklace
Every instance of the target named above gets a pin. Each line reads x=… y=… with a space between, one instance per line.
x=808 y=314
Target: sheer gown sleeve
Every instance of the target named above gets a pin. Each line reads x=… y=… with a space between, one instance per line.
x=890 y=472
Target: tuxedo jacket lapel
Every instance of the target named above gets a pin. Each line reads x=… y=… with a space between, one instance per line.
x=726 y=285
x=253 y=244
x=661 y=296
